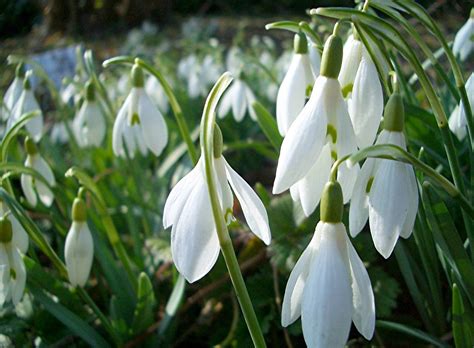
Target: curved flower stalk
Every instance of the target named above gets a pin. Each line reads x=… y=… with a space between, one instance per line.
x=79 y=247
x=157 y=93
x=238 y=98
x=27 y=103
x=458 y=120
x=386 y=191
x=294 y=87
x=13 y=92
x=463 y=42
x=89 y=124
x=360 y=83
x=20 y=238
x=329 y=286
x=139 y=124
x=322 y=133
x=12 y=267
x=194 y=241
x=33 y=188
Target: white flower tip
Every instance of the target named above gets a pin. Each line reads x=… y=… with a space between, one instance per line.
x=350 y=163
x=385 y=250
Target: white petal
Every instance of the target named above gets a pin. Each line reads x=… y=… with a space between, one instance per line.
x=295 y=191
x=250 y=100
x=307 y=134
x=35 y=125
x=4 y=275
x=239 y=101
x=327 y=298
x=40 y=165
x=252 y=207
x=291 y=307
x=194 y=242
x=363 y=302
x=152 y=124
x=407 y=228
x=11 y=96
x=225 y=103
x=78 y=124
x=79 y=253
x=352 y=54
x=366 y=102
x=388 y=205
x=463 y=42
x=19 y=282
x=315 y=59
x=20 y=238
x=94 y=128
x=119 y=128
x=223 y=189
x=311 y=186
x=27 y=188
x=456 y=124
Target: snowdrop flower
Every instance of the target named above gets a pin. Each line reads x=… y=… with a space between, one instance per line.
x=457 y=120
x=13 y=92
x=294 y=87
x=79 y=247
x=386 y=192
x=322 y=133
x=12 y=267
x=89 y=124
x=194 y=241
x=59 y=133
x=25 y=104
x=139 y=124
x=360 y=81
x=329 y=286
x=20 y=238
x=156 y=92
x=32 y=187
x=464 y=41
x=238 y=98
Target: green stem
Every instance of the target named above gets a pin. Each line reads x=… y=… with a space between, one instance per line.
x=207 y=137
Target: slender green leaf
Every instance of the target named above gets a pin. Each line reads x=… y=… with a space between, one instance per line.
x=411 y=332
x=461 y=331
x=268 y=124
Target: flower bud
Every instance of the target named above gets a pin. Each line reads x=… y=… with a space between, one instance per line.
x=90 y=91
x=218 y=142
x=79 y=212
x=138 y=79
x=6 y=233
x=300 y=43
x=30 y=147
x=332 y=57
x=394 y=114
x=332 y=203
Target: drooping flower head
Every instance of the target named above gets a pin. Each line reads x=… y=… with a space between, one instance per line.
x=32 y=188
x=322 y=133
x=386 y=192
x=329 y=286
x=139 y=124
x=13 y=92
x=89 y=124
x=12 y=267
x=464 y=41
x=238 y=99
x=458 y=120
x=79 y=247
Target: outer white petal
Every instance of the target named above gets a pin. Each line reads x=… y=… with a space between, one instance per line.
x=363 y=314
x=157 y=94
x=119 y=128
x=326 y=309
x=35 y=125
x=19 y=282
x=295 y=191
x=455 y=123
x=225 y=193
x=239 y=100
x=225 y=103
x=194 y=242
x=94 y=128
x=463 y=42
x=366 y=102
x=359 y=207
x=407 y=228
x=315 y=59
x=252 y=207
x=17 y=110
x=250 y=100
x=350 y=61
x=307 y=135
x=311 y=186
x=152 y=124
x=291 y=307
x=388 y=205
x=11 y=96
x=78 y=124
x=27 y=188
x=4 y=275
x=45 y=194
x=20 y=238
x=79 y=253
x=292 y=92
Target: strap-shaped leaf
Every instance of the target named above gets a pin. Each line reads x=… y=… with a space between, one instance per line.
x=268 y=125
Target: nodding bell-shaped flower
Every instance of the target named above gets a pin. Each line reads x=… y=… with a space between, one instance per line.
x=360 y=82
x=329 y=285
x=32 y=187
x=79 y=247
x=386 y=191
x=13 y=92
x=89 y=124
x=27 y=103
x=20 y=237
x=295 y=85
x=458 y=120
x=238 y=98
x=194 y=241
x=12 y=267
x=139 y=124
x=321 y=133
x=464 y=39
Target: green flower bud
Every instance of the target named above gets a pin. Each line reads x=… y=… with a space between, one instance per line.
x=332 y=57
x=6 y=232
x=20 y=70
x=138 y=79
x=30 y=146
x=394 y=114
x=90 y=91
x=332 y=203
x=218 y=142
x=300 y=43
x=79 y=211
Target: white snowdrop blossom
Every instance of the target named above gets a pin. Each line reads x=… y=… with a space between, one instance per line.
x=32 y=187
x=198 y=75
x=12 y=267
x=458 y=120
x=156 y=92
x=139 y=124
x=25 y=104
x=89 y=124
x=329 y=286
x=322 y=133
x=360 y=83
x=194 y=240
x=464 y=40
x=238 y=98
x=20 y=238
x=13 y=93
x=294 y=87
x=386 y=191
x=59 y=133
x=79 y=247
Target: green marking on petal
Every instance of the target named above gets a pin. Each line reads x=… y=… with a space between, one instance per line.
x=331 y=130
x=135 y=119
x=346 y=90
x=334 y=155
x=369 y=184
